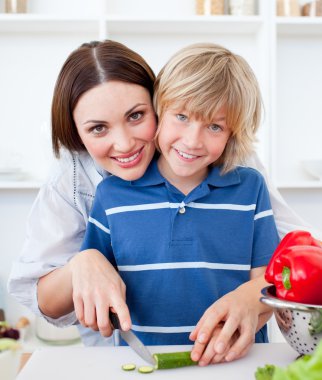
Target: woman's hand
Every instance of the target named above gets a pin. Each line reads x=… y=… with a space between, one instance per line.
x=97 y=287
x=241 y=315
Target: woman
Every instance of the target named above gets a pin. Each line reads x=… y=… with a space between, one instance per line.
x=102 y=84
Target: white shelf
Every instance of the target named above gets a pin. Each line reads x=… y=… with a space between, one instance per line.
x=300 y=185
x=135 y=25
x=16 y=185
x=303 y=26
x=17 y=23
x=184 y=25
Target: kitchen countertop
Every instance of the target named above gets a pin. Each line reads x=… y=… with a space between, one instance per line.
x=83 y=363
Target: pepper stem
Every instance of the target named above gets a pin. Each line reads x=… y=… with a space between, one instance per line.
x=286 y=278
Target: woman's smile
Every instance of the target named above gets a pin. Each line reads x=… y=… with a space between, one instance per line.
x=116 y=123
x=130 y=159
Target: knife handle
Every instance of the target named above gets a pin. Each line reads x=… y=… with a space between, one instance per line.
x=114 y=319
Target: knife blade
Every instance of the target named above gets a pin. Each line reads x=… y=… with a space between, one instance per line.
x=132 y=340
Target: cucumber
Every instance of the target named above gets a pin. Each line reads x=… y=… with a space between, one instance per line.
x=128 y=367
x=173 y=360
x=145 y=369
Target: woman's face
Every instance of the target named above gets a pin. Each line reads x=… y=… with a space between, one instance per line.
x=116 y=123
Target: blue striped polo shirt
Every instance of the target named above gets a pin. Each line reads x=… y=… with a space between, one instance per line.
x=176 y=253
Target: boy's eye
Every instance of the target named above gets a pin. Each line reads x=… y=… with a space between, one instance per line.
x=136 y=116
x=215 y=127
x=181 y=117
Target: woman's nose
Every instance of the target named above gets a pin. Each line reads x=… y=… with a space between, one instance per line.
x=123 y=141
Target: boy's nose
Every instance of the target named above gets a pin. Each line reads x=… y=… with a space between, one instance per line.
x=193 y=137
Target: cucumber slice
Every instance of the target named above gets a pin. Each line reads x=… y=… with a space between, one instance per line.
x=145 y=369
x=128 y=367
x=173 y=360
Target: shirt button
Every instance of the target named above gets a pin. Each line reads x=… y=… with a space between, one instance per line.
x=182 y=210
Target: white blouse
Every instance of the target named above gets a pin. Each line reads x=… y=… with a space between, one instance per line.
x=57 y=223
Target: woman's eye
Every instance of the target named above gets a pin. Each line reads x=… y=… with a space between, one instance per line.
x=136 y=116
x=98 y=129
x=215 y=128
x=181 y=117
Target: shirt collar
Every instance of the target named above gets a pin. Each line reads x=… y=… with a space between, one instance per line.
x=218 y=180
x=152 y=177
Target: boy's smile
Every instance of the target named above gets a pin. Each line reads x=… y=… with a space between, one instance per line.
x=189 y=146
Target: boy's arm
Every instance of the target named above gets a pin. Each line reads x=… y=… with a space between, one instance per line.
x=242 y=313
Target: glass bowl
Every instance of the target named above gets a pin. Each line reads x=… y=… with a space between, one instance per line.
x=9 y=364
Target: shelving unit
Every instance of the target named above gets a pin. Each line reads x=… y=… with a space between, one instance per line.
x=284 y=52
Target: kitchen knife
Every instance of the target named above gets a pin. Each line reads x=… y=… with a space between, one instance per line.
x=132 y=340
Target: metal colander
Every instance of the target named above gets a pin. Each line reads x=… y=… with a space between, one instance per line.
x=300 y=324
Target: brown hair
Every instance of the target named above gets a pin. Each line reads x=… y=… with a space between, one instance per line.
x=88 y=66
x=202 y=78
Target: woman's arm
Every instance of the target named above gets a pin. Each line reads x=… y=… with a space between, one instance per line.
x=54 y=234
x=55 y=229
x=91 y=285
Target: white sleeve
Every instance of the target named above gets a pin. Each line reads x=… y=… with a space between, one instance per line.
x=54 y=234
x=285 y=218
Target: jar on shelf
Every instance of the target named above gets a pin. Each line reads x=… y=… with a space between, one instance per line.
x=217 y=7
x=288 y=8
x=16 y=6
x=312 y=8
x=210 y=7
x=242 y=7
x=200 y=7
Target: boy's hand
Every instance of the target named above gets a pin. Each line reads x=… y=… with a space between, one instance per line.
x=97 y=287
x=236 y=335
x=241 y=315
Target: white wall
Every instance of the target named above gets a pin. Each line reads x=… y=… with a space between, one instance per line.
x=14 y=209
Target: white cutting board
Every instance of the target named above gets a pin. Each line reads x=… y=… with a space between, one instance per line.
x=104 y=363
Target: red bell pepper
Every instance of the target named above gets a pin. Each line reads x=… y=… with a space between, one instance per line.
x=296 y=268
x=289 y=240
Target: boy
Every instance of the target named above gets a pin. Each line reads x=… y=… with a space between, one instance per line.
x=192 y=236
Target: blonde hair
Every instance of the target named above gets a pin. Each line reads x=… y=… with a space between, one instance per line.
x=202 y=78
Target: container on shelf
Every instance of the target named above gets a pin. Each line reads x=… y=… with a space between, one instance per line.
x=200 y=7
x=242 y=7
x=217 y=7
x=16 y=6
x=312 y=8
x=288 y=8
x=210 y=7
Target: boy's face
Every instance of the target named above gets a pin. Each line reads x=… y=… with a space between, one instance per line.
x=189 y=146
x=116 y=123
